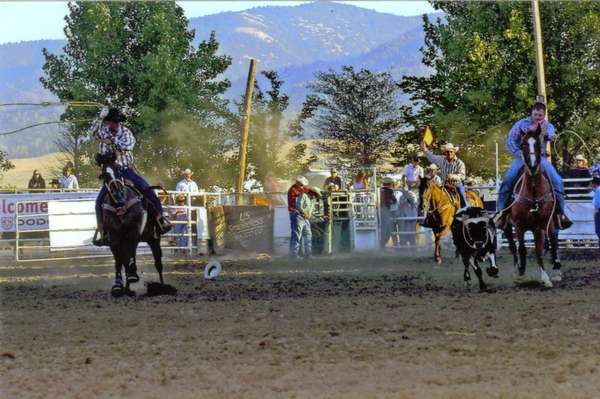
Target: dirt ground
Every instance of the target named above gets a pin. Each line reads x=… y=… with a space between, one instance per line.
x=355 y=327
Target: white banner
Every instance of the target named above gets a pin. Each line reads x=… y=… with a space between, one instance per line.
x=72 y=223
x=32 y=209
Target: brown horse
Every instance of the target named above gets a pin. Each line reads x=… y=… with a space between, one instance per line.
x=441 y=207
x=532 y=210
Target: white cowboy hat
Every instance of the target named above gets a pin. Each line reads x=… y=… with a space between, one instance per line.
x=580 y=157
x=433 y=167
x=302 y=180
x=212 y=269
x=388 y=180
x=449 y=147
x=188 y=171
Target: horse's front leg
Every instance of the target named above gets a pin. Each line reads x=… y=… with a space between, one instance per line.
x=508 y=233
x=539 y=236
x=157 y=254
x=117 y=289
x=130 y=249
x=522 y=252
x=556 y=274
x=438 y=250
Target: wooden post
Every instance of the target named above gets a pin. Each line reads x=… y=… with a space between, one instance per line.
x=539 y=60
x=246 y=128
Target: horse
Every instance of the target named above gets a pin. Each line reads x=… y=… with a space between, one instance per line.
x=127 y=219
x=532 y=209
x=440 y=206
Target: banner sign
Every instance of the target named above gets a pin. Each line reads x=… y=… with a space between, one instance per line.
x=32 y=209
x=249 y=228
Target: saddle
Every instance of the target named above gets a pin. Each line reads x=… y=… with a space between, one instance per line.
x=452 y=193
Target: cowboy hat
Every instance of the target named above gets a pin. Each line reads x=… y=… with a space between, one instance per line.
x=433 y=167
x=114 y=115
x=315 y=190
x=449 y=147
x=302 y=180
x=580 y=157
x=188 y=171
x=388 y=180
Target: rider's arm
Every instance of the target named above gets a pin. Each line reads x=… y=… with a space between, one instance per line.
x=513 y=140
x=436 y=159
x=124 y=141
x=550 y=131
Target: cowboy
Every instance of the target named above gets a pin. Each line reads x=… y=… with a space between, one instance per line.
x=536 y=120
x=579 y=188
x=305 y=206
x=187 y=185
x=116 y=138
x=297 y=189
x=452 y=170
x=595 y=169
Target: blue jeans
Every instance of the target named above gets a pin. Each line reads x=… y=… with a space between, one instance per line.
x=514 y=172
x=597 y=224
x=463 y=195
x=301 y=236
x=139 y=183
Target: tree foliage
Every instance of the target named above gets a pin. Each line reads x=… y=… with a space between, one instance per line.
x=484 y=78
x=139 y=56
x=355 y=114
x=5 y=164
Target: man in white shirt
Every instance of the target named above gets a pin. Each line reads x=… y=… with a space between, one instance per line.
x=413 y=173
x=187 y=185
x=68 y=180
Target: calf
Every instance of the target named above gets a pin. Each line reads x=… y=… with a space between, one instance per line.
x=474 y=236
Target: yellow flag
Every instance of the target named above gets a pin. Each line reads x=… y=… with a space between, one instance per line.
x=428 y=136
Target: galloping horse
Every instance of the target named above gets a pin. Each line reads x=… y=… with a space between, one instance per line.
x=441 y=207
x=126 y=219
x=533 y=210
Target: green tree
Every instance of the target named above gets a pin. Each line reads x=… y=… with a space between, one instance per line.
x=5 y=164
x=355 y=114
x=483 y=77
x=139 y=56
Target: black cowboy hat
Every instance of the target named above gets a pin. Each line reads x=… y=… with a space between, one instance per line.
x=114 y=115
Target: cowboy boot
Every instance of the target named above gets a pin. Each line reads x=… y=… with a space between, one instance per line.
x=562 y=221
x=164 y=226
x=100 y=236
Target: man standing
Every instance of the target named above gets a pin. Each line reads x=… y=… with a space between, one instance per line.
x=68 y=180
x=387 y=207
x=413 y=173
x=305 y=206
x=513 y=146
x=297 y=189
x=333 y=179
x=452 y=170
x=187 y=185
x=581 y=171
x=596 y=203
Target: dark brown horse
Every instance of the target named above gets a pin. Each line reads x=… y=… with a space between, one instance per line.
x=127 y=221
x=533 y=210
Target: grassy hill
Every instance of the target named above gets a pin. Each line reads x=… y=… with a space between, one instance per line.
x=49 y=166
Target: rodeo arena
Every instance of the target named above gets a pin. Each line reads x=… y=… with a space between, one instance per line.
x=421 y=282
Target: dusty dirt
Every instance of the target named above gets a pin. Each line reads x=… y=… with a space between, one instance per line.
x=360 y=327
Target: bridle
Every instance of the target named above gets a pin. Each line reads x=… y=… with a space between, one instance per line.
x=115 y=187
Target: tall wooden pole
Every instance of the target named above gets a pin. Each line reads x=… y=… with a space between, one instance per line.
x=539 y=60
x=246 y=127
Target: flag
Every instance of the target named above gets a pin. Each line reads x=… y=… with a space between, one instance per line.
x=428 y=136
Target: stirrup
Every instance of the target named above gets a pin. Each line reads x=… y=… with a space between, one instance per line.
x=164 y=226
x=562 y=221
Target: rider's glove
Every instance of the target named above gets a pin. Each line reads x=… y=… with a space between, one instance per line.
x=104 y=112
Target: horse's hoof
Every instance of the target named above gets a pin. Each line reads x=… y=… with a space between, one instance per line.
x=492 y=272
x=133 y=278
x=117 y=290
x=483 y=288
x=556 y=276
x=129 y=292
x=438 y=261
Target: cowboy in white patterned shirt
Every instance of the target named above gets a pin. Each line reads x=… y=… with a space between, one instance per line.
x=452 y=169
x=117 y=139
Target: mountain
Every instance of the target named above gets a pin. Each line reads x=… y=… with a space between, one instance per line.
x=297 y=41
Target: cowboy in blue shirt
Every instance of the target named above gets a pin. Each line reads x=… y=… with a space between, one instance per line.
x=513 y=146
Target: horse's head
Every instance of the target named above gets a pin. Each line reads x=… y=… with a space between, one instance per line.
x=112 y=178
x=531 y=148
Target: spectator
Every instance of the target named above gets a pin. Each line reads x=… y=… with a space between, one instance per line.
x=36 y=182
x=387 y=207
x=361 y=181
x=297 y=189
x=305 y=206
x=179 y=214
x=68 y=180
x=271 y=185
x=578 y=189
x=413 y=173
x=187 y=185
x=596 y=202
x=335 y=180
x=54 y=185
x=433 y=173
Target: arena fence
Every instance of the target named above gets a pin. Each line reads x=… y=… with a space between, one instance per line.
x=40 y=233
